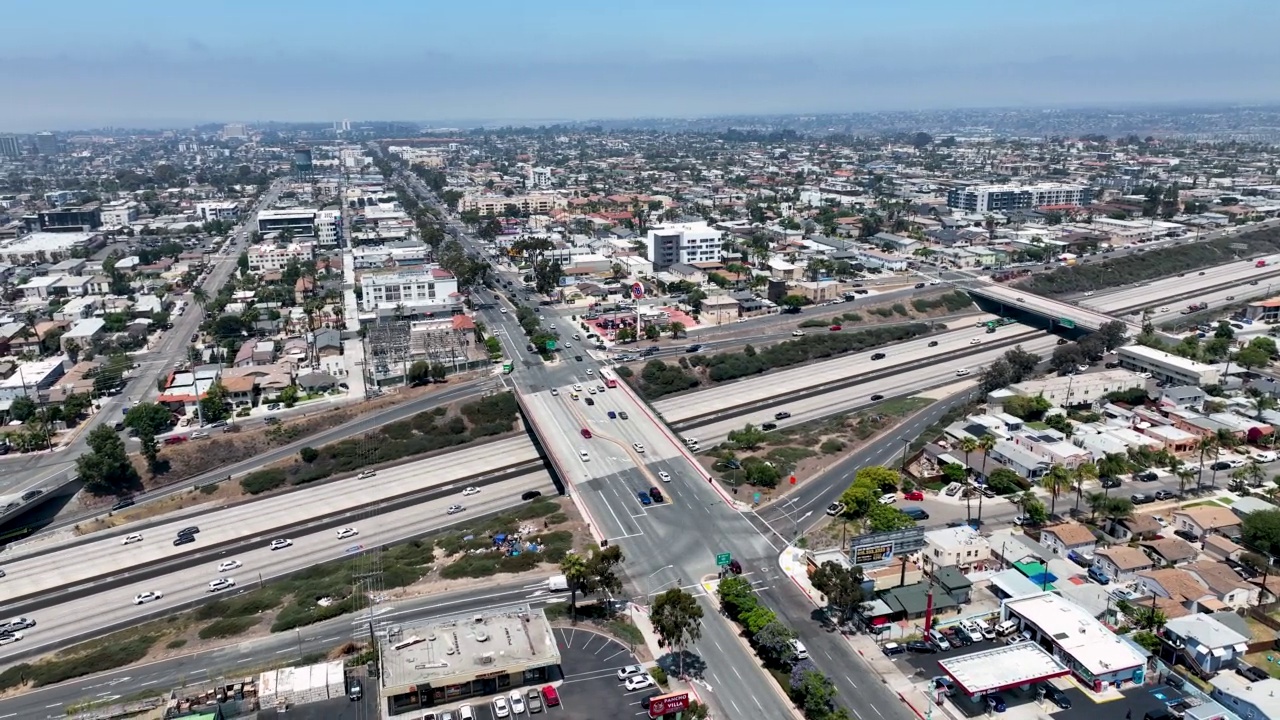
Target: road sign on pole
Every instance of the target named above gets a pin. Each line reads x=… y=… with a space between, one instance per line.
x=551 y=345
x=722 y=559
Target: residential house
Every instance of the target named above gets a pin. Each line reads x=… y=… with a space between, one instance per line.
x=329 y=342
x=1224 y=583
x=1253 y=700
x=1066 y=537
x=239 y=390
x=961 y=547
x=1135 y=527
x=1198 y=521
x=1182 y=397
x=1177 y=585
x=1221 y=547
x=1170 y=551
x=1121 y=562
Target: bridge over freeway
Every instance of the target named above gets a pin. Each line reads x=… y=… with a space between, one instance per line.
x=1034 y=309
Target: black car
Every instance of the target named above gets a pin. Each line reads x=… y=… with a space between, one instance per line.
x=1140 y=499
x=192 y=530
x=933 y=343
x=591 y=401
x=531 y=495
x=1110 y=482
x=1056 y=696
x=693 y=348
x=878 y=356
x=122 y=503
x=781 y=415
x=769 y=426
x=1146 y=476
x=920 y=646
x=876 y=397
x=184 y=539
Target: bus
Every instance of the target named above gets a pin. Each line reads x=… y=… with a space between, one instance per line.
x=609 y=380
x=508 y=368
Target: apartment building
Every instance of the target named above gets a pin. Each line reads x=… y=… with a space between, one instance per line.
x=529 y=204
x=416 y=292
x=682 y=243
x=1004 y=198
x=269 y=256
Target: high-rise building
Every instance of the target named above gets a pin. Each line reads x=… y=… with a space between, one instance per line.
x=46 y=143
x=686 y=243
x=302 y=166
x=1005 y=198
x=234 y=131
x=10 y=146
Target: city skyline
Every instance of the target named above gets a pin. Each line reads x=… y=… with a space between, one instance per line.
x=152 y=65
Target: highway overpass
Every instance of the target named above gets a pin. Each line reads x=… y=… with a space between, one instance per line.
x=1054 y=315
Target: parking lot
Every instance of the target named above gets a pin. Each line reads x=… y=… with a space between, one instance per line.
x=590 y=688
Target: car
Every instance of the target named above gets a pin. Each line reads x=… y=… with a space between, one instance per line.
x=15 y=624
x=591 y=391
x=933 y=343
x=531 y=495
x=988 y=632
x=550 y=696
x=655 y=494
x=189 y=530
x=184 y=539
x=629 y=670
x=366 y=475
x=585 y=433
x=355 y=690
x=638 y=682
x=875 y=398
x=622 y=415
x=797 y=333
x=835 y=508
x=347 y=532
x=1165 y=495
x=273 y=406
x=517 y=702
x=836 y=328
x=893 y=648
x=920 y=646
x=945 y=684
x=961 y=372
x=914 y=495
x=995 y=702
x=229 y=565
x=664 y=476
x=454 y=510
x=975 y=341
x=12 y=637
x=590 y=371
x=555 y=391
x=877 y=356
x=143 y=598
x=122 y=503
x=1164 y=309
x=577 y=387
x=1229 y=298
x=1056 y=696
x=472 y=490
x=1110 y=482
x=888 y=499
x=582 y=455
x=533 y=701
x=500 y=707
x=590 y=401
x=281 y=543
x=781 y=415
x=221 y=584
x=174 y=440
x=691 y=349
x=639 y=447
x=272 y=421
x=644 y=498
x=1141 y=499
x=131 y=538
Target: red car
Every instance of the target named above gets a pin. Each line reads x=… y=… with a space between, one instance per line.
x=836 y=327
x=913 y=495
x=586 y=433
x=174 y=440
x=550 y=697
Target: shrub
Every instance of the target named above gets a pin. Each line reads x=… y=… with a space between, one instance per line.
x=813 y=323
x=852 y=318
x=900 y=309
x=108 y=656
x=498 y=409
x=829 y=447
x=308 y=454
x=659 y=379
x=730 y=366
x=209 y=489
x=175 y=643
x=260 y=481
x=226 y=627
x=659 y=675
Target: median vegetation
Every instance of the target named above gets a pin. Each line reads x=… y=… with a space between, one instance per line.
x=1152 y=264
x=425 y=432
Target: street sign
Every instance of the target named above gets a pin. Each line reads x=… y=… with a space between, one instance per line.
x=722 y=559
x=551 y=345
x=1066 y=322
x=793 y=479
x=637 y=291
x=755 y=497
x=668 y=704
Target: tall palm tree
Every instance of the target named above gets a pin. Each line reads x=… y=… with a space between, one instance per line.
x=1250 y=474
x=1058 y=478
x=1207 y=445
x=1096 y=501
x=574 y=568
x=200 y=296
x=1085 y=472
x=967 y=446
x=986 y=444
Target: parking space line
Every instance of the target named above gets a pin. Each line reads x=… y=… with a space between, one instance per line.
x=620 y=652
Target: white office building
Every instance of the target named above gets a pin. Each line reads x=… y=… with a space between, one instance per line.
x=1168 y=367
x=328 y=228
x=686 y=243
x=416 y=292
x=269 y=256
x=218 y=210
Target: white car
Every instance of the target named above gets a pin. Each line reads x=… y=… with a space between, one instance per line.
x=1088 y=293
x=555 y=391
x=1164 y=309
x=797 y=333
x=221 y=584
x=638 y=682
x=500 y=707
x=638 y=446
x=591 y=391
x=629 y=671
x=835 y=508
x=146 y=597
x=1145 y=375
x=471 y=491
x=517 y=702
x=590 y=371
x=577 y=387
x=664 y=476
x=366 y=475
x=347 y=532
x=281 y=543
x=229 y=565
x=888 y=499
x=199 y=435
x=582 y=454
x=10 y=638
x=975 y=341
x=454 y=509
x=961 y=372
x=131 y=538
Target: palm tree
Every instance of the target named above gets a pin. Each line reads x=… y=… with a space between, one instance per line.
x=200 y=296
x=1117 y=509
x=1097 y=501
x=574 y=568
x=1250 y=474
x=1085 y=472
x=968 y=445
x=986 y=444
x=676 y=328
x=1207 y=445
x=1054 y=481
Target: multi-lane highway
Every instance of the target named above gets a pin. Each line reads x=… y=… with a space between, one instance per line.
x=1191 y=285
x=112 y=604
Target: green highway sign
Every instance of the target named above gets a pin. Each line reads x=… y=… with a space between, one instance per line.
x=1066 y=322
x=551 y=345
x=722 y=559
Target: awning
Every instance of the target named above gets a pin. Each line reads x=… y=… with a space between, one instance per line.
x=1219 y=652
x=1241 y=648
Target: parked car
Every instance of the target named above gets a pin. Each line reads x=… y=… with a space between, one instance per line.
x=913 y=495
x=1056 y=696
x=920 y=646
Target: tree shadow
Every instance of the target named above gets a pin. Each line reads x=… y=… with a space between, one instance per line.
x=694 y=665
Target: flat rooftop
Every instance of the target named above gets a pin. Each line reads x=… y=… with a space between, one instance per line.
x=1003 y=667
x=1078 y=633
x=459 y=647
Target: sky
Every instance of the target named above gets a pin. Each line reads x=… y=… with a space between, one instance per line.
x=141 y=63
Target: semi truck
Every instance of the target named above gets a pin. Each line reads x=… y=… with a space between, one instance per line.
x=1195 y=308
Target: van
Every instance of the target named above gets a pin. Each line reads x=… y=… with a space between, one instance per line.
x=802 y=653
x=691 y=442
x=939 y=640
x=1006 y=627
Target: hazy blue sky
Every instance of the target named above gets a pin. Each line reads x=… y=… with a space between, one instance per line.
x=76 y=63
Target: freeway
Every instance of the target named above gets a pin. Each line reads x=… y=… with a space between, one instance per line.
x=42 y=574
x=775 y=385
x=19 y=473
x=1162 y=291
x=198 y=669
x=113 y=607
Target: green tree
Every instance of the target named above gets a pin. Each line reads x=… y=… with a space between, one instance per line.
x=842 y=586
x=308 y=454
x=677 y=620
x=574 y=569
x=793 y=303
x=756 y=618
x=148 y=419
x=749 y=437
x=886 y=518
x=23 y=408
x=106 y=469
x=1083 y=473
x=213 y=406
x=1004 y=481
x=652 y=332
x=1262 y=531
x=289 y=396
x=736 y=596
x=774 y=644
x=419 y=372
x=817 y=695
x=1055 y=481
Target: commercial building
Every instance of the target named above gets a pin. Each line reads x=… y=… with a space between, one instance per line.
x=960 y=547
x=47 y=143
x=269 y=256
x=301 y=222
x=687 y=243
x=365 y=257
x=1075 y=390
x=119 y=213
x=1168 y=367
x=415 y=292
x=10 y=146
x=70 y=219
x=464 y=656
x=211 y=210
x=529 y=204
x=234 y=131
x=32 y=377
x=1094 y=654
x=1005 y=198
x=44 y=247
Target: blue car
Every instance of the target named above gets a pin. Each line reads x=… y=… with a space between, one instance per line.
x=644 y=498
x=995 y=702
x=613 y=415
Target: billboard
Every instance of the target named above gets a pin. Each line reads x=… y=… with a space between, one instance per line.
x=667 y=704
x=879 y=549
